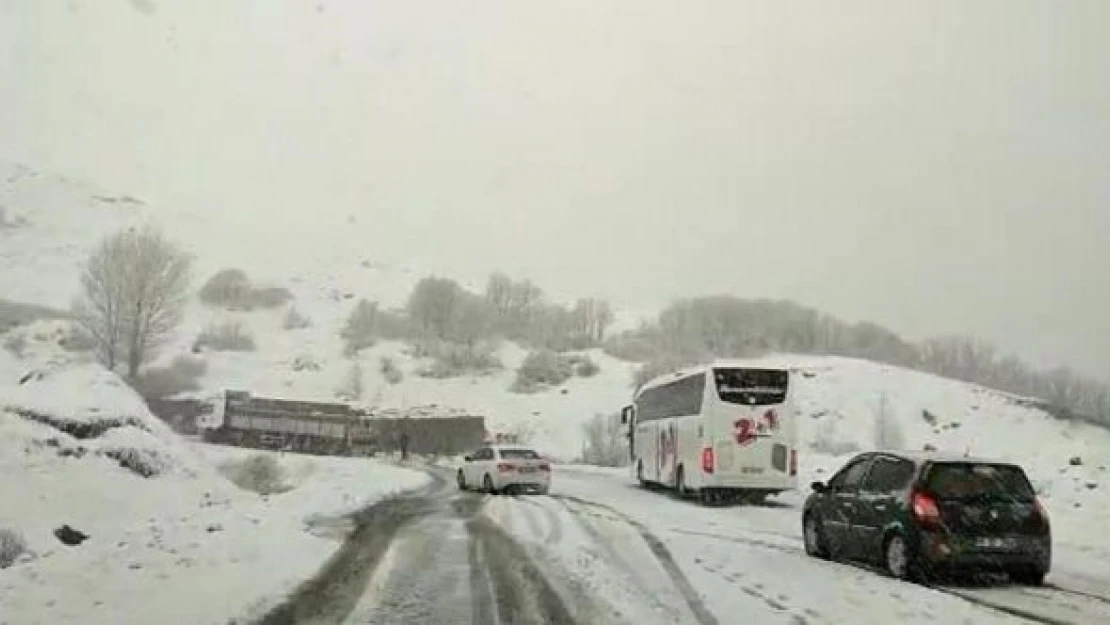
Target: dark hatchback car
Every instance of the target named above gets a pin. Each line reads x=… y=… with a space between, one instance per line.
x=923 y=515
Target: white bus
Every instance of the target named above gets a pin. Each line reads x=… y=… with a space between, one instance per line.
x=718 y=431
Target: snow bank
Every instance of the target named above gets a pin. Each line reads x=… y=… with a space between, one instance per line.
x=169 y=538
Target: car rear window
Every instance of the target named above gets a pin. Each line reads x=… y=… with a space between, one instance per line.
x=519 y=454
x=971 y=480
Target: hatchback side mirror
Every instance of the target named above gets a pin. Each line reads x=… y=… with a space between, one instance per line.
x=819 y=487
x=468 y=458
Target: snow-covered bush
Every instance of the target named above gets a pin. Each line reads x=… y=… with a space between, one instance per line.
x=77 y=339
x=453 y=359
x=259 y=473
x=584 y=366
x=294 y=320
x=232 y=289
x=305 y=362
x=15 y=343
x=180 y=376
x=225 y=337
x=12 y=546
x=225 y=288
x=604 y=441
x=542 y=369
x=390 y=372
x=631 y=346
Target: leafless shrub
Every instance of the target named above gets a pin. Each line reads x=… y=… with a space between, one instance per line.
x=259 y=473
x=361 y=327
x=232 y=289
x=180 y=376
x=605 y=441
x=12 y=546
x=390 y=371
x=305 y=362
x=225 y=337
x=16 y=343
x=542 y=369
x=452 y=359
x=294 y=320
x=351 y=388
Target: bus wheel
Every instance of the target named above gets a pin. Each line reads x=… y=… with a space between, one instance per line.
x=680 y=483
x=709 y=497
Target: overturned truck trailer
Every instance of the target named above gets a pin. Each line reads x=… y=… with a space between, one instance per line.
x=242 y=419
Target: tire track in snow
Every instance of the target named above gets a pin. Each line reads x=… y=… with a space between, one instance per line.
x=606 y=543
x=523 y=508
x=666 y=560
x=554 y=534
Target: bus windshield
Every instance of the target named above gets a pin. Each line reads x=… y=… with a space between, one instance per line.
x=751 y=387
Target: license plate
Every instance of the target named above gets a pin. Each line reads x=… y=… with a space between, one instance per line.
x=996 y=543
x=527 y=469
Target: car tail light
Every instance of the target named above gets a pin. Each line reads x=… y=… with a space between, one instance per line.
x=504 y=467
x=1042 y=513
x=707 y=460
x=793 y=462
x=925 y=509
x=545 y=467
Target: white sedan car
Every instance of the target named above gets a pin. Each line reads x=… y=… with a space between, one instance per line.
x=499 y=468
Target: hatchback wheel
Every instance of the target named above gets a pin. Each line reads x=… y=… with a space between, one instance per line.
x=460 y=479
x=814 y=538
x=898 y=558
x=1028 y=577
x=487 y=485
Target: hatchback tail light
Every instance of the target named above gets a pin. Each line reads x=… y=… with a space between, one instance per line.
x=925 y=509
x=504 y=467
x=708 y=462
x=793 y=462
x=1041 y=512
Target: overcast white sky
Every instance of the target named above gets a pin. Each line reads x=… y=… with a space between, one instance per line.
x=939 y=166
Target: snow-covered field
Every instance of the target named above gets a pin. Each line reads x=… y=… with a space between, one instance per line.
x=224 y=551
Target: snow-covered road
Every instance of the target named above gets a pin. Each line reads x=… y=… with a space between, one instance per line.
x=750 y=560
x=599 y=550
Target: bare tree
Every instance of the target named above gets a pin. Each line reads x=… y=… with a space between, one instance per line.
x=351 y=388
x=433 y=306
x=362 y=325
x=134 y=287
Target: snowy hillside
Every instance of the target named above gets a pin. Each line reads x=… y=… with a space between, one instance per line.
x=56 y=221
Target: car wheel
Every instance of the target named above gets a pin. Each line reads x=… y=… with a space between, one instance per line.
x=461 y=480
x=542 y=490
x=1028 y=577
x=487 y=485
x=814 y=538
x=898 y=559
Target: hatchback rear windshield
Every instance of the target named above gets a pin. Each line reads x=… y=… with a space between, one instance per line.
x=968 y=480
x=751 y=387
x=519 y=454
